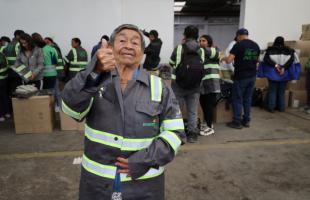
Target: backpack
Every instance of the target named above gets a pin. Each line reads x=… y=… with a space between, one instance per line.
x=190 y=71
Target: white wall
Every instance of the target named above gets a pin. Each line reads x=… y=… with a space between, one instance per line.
x=222 y=30
x=88 y=20
x=267 y=19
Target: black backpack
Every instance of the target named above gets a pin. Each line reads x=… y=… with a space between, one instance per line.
x=190 y=71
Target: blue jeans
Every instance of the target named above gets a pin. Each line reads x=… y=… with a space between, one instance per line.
x=242 y=92
x=191 y=100
x=276 y=95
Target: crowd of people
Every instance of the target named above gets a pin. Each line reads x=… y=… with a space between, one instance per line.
x=131 y=114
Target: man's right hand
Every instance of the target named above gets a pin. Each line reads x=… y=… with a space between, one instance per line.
x=105 y=58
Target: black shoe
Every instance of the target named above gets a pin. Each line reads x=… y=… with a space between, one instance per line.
x=246 y=124
x=234 y=125
x=192 y=137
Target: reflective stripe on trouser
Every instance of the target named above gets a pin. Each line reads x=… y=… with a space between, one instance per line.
x=50 y=70
x=117 y=141
x=108 y=171
x=156 y=88
x=76 y=115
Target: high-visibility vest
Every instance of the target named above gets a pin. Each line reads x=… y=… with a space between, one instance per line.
x=121 y=143
x=211 y=66
x=11 y=51
x=79 y=61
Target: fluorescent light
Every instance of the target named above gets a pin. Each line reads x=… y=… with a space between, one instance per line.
x=179 y=3
x=177 y=8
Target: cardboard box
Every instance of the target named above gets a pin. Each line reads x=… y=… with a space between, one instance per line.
x=303 y=62
x=305 y=32
x=33 y=115
x=287 y=98
x=69 y=124
x=221 y=114
x=300 y=95
x=297 y=84
x=261 y=83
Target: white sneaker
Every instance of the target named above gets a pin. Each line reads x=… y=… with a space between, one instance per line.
x=2 y=119
x=210 y=131
x=7 y=116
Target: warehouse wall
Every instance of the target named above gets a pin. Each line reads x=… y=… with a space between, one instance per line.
x=270 y=18
x=88 y=20
x=221 y=29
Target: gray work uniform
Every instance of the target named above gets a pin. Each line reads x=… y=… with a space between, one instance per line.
x=143 y=124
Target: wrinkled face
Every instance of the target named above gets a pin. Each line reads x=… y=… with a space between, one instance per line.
x=203 y=42
x=127 y=48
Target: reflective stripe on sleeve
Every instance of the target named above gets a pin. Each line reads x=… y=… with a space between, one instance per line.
x=172 y=125
x=178 y=55
x=108 y=171
x=77 y=115
x=156 y=88
x=172 y=139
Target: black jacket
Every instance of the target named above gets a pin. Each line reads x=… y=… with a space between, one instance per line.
x=284 y=56
x=152 y=52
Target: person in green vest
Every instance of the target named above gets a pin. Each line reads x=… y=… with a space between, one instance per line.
x=76 y=60
x=11 y=52
x=50 y=61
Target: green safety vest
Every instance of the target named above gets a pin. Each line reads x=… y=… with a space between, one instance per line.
x=11 y=52
x=212 y=67
x=78 y=63
x=127 y=144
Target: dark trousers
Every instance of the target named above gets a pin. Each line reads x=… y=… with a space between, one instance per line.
x=242 y=92
x=276 y=95
x=13 y=82
x=4 y=98
x=208 y=103
x=49 y=82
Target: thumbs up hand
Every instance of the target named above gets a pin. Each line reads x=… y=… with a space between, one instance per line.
x=105 y=58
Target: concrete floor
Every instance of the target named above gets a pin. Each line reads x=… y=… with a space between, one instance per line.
x=269 y=161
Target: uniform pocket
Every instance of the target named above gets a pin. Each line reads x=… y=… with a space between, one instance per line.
x=147 y=118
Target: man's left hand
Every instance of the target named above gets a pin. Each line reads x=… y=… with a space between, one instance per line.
x=123 y=164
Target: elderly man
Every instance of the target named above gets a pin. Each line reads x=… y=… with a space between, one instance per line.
x=133 y=122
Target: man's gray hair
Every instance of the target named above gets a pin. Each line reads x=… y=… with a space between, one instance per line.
x=130 y=27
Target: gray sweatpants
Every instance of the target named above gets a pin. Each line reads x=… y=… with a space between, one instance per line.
x=191 y=99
